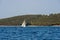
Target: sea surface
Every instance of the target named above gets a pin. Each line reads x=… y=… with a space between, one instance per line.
x=30 y=33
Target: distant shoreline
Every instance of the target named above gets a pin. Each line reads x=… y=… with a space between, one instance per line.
x=29 y=25
x=38 y=20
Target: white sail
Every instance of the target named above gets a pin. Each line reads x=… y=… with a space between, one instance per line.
x=24 y=24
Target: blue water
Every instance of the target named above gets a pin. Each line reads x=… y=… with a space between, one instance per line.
x=30 y=33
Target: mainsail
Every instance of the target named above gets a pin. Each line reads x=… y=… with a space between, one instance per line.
x=24 y=24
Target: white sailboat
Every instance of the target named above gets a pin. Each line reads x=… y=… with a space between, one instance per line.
x=23 y=24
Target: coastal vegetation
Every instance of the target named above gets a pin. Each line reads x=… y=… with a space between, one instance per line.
x=51 y=19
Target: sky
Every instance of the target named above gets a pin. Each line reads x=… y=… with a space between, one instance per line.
x=10 y=8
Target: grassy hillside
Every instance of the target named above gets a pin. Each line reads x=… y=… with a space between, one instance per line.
x=52 y=19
